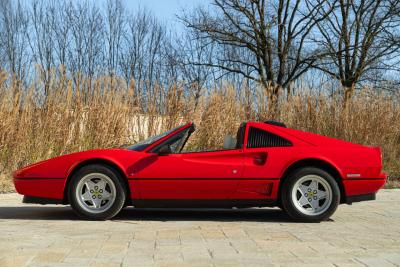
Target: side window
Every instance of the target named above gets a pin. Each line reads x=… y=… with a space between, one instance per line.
x=260 y=138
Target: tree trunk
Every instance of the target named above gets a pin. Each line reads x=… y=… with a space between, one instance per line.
x=348 y=93
x=273 y=100
x=289 y=91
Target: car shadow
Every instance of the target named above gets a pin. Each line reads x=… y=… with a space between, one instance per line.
x=33 y=212
x=221 y=215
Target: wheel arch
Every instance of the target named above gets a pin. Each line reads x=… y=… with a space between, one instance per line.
x=317 y=163
x=108 y=163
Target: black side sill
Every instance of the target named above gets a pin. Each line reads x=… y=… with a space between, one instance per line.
x=203 y=203
x=359 y=198
x=41 y=200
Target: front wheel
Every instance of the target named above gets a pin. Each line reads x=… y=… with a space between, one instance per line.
x=310 y=195
x=96 y=192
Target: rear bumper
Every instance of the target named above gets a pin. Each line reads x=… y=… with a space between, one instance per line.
x=362 y=189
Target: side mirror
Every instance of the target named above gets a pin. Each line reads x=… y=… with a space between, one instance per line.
x=164 y=150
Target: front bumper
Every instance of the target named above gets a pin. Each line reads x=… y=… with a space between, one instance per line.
x=52 y=188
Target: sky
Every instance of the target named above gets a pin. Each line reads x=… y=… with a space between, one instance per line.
x=165 y=10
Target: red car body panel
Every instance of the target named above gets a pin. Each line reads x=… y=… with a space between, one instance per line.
x=238 y=174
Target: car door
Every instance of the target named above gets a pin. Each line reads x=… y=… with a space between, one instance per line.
x=264 y=154
x=197 y=175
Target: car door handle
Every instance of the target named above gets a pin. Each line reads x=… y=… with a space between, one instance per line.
x=260 y=159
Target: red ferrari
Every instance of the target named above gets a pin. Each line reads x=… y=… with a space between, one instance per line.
x=266 y=165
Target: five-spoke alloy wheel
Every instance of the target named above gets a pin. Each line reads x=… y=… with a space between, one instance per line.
x=96 y=192
x=310 y=194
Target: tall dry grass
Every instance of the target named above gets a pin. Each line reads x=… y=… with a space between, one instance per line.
x=110 y=113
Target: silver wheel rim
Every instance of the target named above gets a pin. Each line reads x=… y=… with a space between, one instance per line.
x=312 y=195
x=95 y=192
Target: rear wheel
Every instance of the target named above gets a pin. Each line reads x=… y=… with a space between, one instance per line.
x=310 y=194
x=96 y=192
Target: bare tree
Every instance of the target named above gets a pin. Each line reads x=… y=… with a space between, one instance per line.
x=93 y=40
x=191 y=49
x=86 y=40
x=274 y=33
x=14 y=23
x=61 y=29
x=75 y=50
x=155 y=44
x=144 y=57
x=114 y=30
x=359 y=37
x=132 y=61
x=41 y=39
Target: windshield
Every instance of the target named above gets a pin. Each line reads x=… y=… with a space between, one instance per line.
x=140 y=146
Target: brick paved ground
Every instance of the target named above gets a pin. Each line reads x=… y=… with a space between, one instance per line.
x=365 y=234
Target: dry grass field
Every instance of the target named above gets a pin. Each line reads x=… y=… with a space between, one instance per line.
x=109 y=114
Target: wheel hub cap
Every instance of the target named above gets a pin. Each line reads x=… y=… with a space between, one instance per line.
x=95 y=192
x=312 y=195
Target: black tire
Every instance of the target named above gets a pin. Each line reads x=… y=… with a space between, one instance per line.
x=120 y=194
x=288 y=201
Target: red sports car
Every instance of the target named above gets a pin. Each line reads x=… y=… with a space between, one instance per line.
x=266 y=165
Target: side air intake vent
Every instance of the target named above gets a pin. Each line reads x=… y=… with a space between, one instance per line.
x=260 y=138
